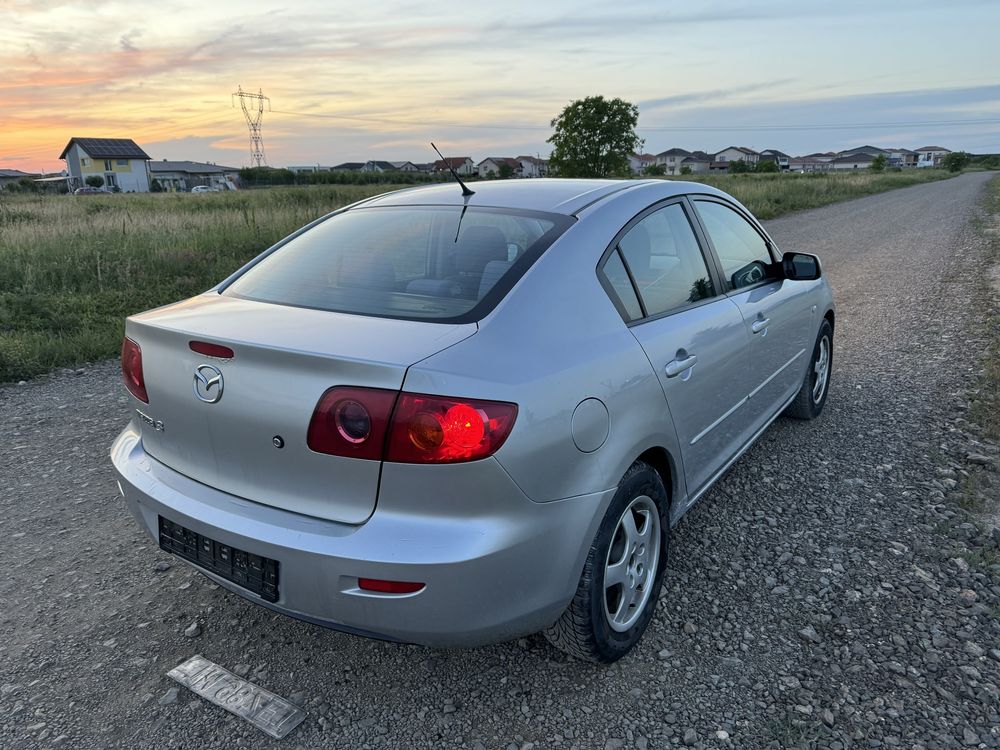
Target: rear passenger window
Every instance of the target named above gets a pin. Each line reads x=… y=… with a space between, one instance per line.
x=745 y=256
x=614 y=271
x=665 y=260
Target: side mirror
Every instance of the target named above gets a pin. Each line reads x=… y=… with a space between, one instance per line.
x=801 y=266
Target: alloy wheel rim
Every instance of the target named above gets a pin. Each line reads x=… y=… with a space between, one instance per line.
x=821 y=370
x=630 y=567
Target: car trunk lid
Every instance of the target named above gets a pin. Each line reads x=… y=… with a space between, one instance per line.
x=251 y=441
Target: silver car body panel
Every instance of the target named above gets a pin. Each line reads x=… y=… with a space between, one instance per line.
x=479 y=547
x=281 y=368
x=476 y=533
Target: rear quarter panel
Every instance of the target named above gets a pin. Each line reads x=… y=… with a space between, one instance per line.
x=555 y=340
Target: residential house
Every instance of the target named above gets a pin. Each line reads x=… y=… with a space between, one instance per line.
x=532 y=166
x=184 y=175
x=869 y=150
x=405 y=166
x=461 y=164
x=492 y=165
x=901 y=157
x=859 y=160
x=7 y=176
x=698 y=162
x=737 y=153
x=812 y=163
x=378 y=166
x=930 y=156
x=778 y=157
x=118 y=161
x=309 y=169
x=671 y=160
x=637 y=163
x=348 y=166
x=822 y=156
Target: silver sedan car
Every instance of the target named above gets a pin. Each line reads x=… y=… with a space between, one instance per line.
x=454 y=419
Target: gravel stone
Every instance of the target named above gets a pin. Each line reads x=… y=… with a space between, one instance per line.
x=847 y=516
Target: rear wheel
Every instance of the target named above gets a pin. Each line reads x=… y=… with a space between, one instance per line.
x=621 y=580
x=809 y=401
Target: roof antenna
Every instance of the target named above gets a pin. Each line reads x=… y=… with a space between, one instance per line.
x=465 y=188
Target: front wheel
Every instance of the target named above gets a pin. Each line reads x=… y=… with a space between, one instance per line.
x=809 y=401
x=621 y=580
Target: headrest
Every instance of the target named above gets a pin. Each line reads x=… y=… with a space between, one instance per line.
x=477 y=246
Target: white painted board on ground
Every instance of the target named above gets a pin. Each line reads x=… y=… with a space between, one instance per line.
x=269 y=712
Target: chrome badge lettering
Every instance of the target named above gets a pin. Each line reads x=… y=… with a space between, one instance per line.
x=156 y=424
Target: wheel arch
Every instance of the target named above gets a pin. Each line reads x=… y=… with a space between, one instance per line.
x=664 y=464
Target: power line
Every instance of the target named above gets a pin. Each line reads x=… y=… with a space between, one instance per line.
x=663 y=128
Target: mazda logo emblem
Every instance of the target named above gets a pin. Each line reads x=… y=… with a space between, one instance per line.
x=208 y=383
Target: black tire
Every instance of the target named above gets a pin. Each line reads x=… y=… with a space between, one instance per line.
x=584 y=630
x=806 y=405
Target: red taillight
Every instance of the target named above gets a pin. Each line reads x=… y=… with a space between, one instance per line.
x=351 y=422
x=132 y=369
x=421 y=429
x=389 y=587
x=434 y=429
x=211 y=350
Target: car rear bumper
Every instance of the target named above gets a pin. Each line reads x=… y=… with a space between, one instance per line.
x=496 y=565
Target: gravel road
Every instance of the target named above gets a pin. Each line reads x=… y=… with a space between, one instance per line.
x=829 y=592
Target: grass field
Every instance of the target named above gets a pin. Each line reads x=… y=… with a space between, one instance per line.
x=72 y=268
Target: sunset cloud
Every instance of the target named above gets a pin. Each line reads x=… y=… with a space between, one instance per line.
x=349 y=81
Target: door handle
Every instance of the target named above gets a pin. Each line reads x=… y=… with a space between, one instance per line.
x=677 y=366
x=759 y=325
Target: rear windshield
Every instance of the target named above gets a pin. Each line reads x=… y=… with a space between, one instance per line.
x=413 y=262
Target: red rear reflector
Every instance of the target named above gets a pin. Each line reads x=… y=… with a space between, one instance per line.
x=435 y=429
x=351 y=422
x=132 y=370
x=211 y=350
x=389 y=587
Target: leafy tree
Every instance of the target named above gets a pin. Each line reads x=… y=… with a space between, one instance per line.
x=593 y=137
x=506 y=171
x=685 y=169
x=956 y=161
x=155 y=187
x=738 y=167
x=655 y=170
x=878 y=163
x=767 y=165
x=95 y=180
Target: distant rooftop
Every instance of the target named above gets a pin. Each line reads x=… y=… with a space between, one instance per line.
x=107 y=148
x=191 y=167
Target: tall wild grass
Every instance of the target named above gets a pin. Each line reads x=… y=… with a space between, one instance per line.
x=73 y=267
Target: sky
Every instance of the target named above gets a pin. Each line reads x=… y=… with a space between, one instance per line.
x=352 y=81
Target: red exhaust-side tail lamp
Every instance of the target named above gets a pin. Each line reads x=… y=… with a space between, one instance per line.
x=132 y=370
x=351 y=422
x=438 y=430
x=409 y=428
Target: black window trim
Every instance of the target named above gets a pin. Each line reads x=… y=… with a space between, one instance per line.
x=772 y=249
x=709 y=259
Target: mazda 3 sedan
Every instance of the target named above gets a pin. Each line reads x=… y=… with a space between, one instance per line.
x=453 y=419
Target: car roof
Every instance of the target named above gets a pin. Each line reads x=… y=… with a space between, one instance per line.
x=552 y=195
